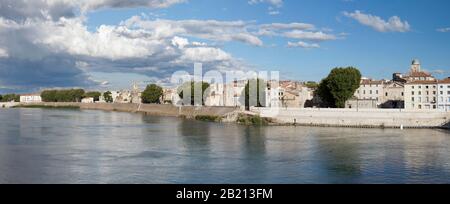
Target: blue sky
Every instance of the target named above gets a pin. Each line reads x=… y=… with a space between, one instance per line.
x=419 y=29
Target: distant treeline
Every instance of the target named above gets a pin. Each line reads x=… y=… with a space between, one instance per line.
x=70 y=95
x=9 y=98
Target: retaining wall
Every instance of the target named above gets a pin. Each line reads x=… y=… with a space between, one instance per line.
x=388 y=118
x=151 y=109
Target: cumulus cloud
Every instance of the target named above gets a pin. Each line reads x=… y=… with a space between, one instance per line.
x=55 y=9
x=302 y=44
x=206 y=29
x=302 y=31
x=46 y=43
x=393 y=24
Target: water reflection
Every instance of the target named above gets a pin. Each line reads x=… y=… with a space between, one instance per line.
x=67 y=146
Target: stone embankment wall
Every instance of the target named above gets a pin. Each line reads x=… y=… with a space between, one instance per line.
x=8 y=104
x=151 y=109
x=372 y=118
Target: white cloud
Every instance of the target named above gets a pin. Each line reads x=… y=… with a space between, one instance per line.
x=311 y=36
x=3 y=53
x=55 y=9
x=302 y=44
x=277 y=3
x=180 y=42
x=206 y=29
x=444 y=30
x=393 y=24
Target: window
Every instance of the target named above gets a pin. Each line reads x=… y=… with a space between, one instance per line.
x=428 y=93
x=364 y=92
x=412 y=99
x=420 y=87
x=377 y=92
x=442 y=87
x=434 y=92
x=403 y=94
x=420 y=99
x=412 y=93
x=426 y=87
x=441 y=99
x=427 y=100
x=448 y=92
x=386 y=94
x=441 y=92
x=370 y=91
x=412 y=87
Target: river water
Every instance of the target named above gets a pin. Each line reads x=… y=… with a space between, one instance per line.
x=73 y=146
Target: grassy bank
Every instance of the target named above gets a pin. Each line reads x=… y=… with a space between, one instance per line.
x=255 y=120
x=208 y=118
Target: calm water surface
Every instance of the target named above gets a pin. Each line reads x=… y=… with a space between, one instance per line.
x=72 y=146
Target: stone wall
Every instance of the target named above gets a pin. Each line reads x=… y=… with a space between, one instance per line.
x=360 y=118
x=151 y=109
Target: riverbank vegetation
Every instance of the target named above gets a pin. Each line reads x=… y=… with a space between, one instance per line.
x=208 y=118
x=255 y=120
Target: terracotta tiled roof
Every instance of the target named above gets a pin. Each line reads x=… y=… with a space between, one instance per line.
x=369 y=81
x=445 y=81
x=423 y=82
x=419 y=74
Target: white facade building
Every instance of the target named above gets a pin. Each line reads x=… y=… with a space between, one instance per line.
x=421 y=95
x=30 y=98
x=87 y=100
x=443 y=100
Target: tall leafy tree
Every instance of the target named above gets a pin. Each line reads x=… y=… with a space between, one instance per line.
x=258 y=100
x=191 y=85
x=339 y=86
x=152 y=94
x=108 y=97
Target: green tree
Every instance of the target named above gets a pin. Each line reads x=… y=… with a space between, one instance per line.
x=311 y=84
x=1 y=97
x=258 y=101
x=71 y=95
x=94 y=94
x=152 y=94
x=193 y=94
x=108 y=97
x=339 y=86
x=10 y=97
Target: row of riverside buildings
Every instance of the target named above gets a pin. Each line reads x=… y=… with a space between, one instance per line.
x=416 y=90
